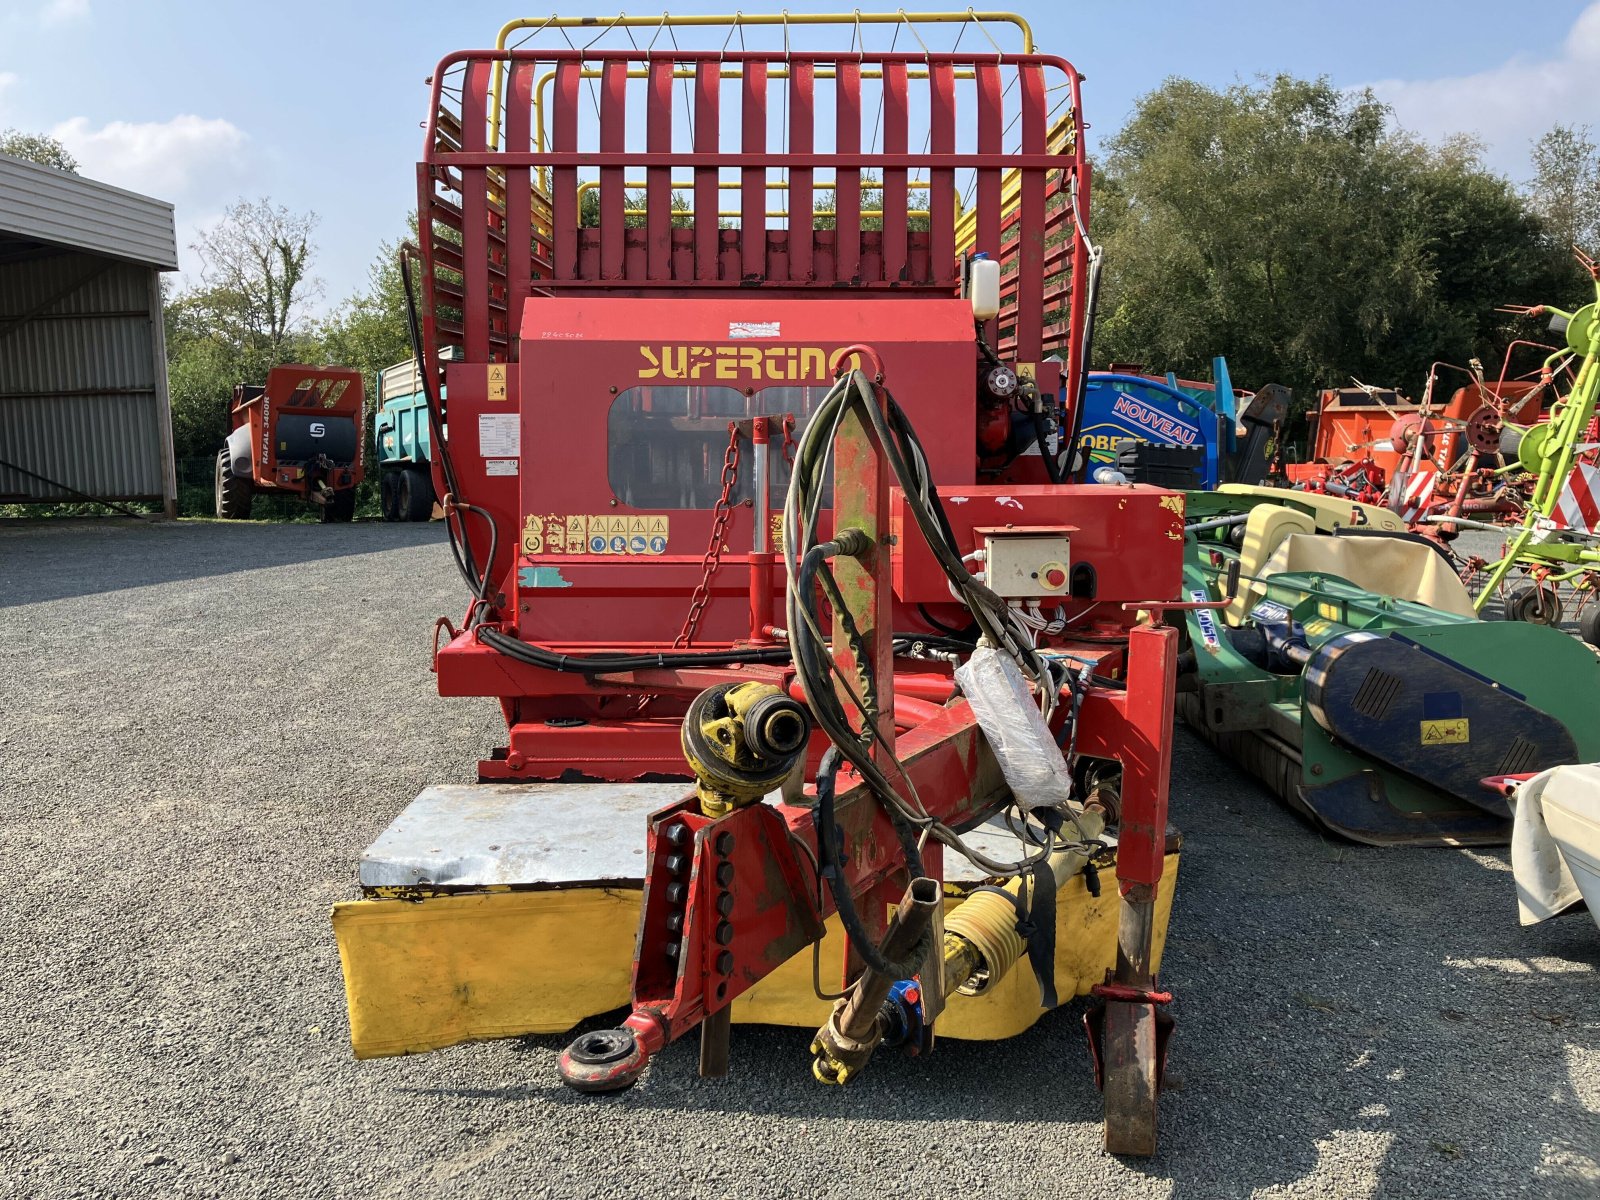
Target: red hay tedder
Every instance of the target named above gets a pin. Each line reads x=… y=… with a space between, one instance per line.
x=738 y=499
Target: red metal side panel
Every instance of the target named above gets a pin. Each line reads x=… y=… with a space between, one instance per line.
x=753 y=180
x=658 y=180
x=519 y=195
x=942 y=140
x=707 y=85
x=613 y=141
x=1028 y=330
x=847 y=198
x=802 y=225
x=564 y=179
x=896 y=135
x=475 y=212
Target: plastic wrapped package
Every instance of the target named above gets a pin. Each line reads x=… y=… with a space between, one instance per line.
x=1032 y=763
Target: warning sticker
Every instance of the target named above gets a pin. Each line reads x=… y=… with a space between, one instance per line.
x=655 y=535
x=755 y=329
x=603 y=533
x=500 y=466
x=497 y=381
x=1452 y=731
x=1206 y=619
x=500 y=435
x=617 y=535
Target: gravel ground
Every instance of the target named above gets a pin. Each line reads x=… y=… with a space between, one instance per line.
x=201 y=727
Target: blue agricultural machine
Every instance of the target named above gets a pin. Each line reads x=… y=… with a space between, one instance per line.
x=1178 y=433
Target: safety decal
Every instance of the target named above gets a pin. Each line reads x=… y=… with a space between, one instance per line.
x=1452 y=731
x=1444 y=723
x=1206 y=619
x=497 y=381
x=603 y=533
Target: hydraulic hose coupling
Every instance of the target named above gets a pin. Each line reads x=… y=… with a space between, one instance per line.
x=742 y=740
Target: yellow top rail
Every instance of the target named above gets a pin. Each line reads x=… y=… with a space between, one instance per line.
x=599 y=26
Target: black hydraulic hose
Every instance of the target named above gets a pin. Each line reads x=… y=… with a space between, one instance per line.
x=964 y=636
x=478 y=582
x=1041 y=435
x=832 y=871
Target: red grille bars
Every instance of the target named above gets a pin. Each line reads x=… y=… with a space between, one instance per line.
x=575 y=191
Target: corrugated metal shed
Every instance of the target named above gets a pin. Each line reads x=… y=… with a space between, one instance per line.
x=84 y=409
x=46 y=205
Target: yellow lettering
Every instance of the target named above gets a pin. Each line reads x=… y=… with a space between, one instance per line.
x=654 y=368
x=750 y=360
x=678 y=369
x=702 y=360
x=727 y=363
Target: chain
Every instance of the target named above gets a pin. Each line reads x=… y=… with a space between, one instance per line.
x=789 y=444
x=721 y=515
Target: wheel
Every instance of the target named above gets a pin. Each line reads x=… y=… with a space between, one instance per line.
x=1589 y=624
x=416 y=494
x=339 y=509
x=1129 y=1047
x=1538 y=605
x=389 y=496
x=234 y=492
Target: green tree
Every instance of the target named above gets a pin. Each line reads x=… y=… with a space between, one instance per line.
x=256 y=262
x=1287 y=225
x=369 y=330
x=39 y=148
x=1565 y=188
x=245 y=316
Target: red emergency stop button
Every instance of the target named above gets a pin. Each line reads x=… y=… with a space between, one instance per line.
x=1054 y=577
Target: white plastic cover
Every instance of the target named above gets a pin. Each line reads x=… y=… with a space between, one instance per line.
x=1555 y=843
x=1032 y=763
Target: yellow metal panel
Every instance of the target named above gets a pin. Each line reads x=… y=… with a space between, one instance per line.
x=421 y=975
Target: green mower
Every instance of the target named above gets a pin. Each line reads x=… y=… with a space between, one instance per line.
x=1347 y=669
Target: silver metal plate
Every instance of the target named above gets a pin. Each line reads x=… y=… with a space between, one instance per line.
x=478 y=834
x=466 y=835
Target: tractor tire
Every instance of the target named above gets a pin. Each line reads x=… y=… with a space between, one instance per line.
x=1536 y=605
x=1589 y=624
x=234 y=492
x=416 y=494
x=389 y=495
x=340 y=509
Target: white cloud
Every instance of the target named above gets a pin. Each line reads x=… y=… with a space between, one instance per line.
x=1509 y=105
x=165 y=159
x=63 y=12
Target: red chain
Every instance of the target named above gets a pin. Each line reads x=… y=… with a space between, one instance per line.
x=789 y=444
x=722 y=514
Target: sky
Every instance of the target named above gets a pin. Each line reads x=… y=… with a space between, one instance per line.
x=319 y=105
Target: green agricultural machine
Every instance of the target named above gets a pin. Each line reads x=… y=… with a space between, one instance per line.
x=1345 y=668
x=1556 y=549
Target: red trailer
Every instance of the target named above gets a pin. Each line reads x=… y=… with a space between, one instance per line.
x=737 y=497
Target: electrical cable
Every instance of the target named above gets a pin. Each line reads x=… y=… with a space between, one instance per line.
x=805 y=559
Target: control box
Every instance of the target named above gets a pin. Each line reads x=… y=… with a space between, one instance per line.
x=1027 y=562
